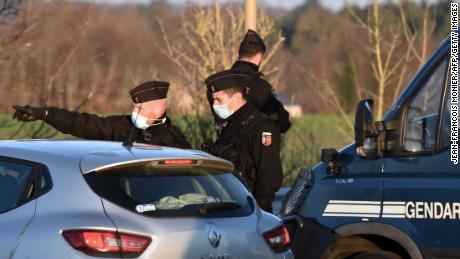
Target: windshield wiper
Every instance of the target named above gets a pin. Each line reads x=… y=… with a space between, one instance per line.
x=218 y=206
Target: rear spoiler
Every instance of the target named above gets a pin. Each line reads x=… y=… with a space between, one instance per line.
x=169 y=163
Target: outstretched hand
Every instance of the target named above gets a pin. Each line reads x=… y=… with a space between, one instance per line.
x=28 y=113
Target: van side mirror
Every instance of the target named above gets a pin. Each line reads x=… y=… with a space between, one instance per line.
x=330 y=156
x=365 y=132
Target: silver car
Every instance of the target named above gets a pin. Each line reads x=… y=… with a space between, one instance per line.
x=86 y=199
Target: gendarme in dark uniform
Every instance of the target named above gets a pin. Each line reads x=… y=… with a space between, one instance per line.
x=260 y=91
x=249 y=139
x=116 y=127
x=261 y=94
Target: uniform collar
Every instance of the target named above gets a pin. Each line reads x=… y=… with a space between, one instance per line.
x=242 y=113
x=163 y=125
x=245 y=66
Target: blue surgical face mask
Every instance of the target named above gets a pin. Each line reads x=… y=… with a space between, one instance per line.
x=222 y=110
x=141 y=122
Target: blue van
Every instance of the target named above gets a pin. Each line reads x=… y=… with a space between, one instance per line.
x=394 y=193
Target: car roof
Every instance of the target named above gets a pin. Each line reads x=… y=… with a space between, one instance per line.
x=99 y=154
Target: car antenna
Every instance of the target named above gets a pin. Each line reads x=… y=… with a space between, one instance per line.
x=128 y=143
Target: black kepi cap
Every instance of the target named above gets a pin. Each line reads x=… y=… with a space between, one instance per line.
x=253 y=38
x=225 y=80
x=149 y=91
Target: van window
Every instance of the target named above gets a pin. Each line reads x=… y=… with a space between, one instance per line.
x=423 y=112
x=445 y=129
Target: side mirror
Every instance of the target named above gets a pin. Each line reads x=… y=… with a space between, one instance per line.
x=330 y=156
x=365 y=132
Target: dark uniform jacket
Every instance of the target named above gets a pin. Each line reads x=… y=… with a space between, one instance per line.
x=114 y=128
x=252 y=142
x=260 y=95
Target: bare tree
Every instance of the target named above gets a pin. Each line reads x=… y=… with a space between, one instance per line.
x=208 y=42
x=417 y=51
x=392 y=48
x=388 y=68
x=26 y=38
x=19 y=24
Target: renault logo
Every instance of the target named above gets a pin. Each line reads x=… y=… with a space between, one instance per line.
x=214 y=236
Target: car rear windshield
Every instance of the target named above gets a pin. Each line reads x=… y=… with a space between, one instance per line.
x=173 y=192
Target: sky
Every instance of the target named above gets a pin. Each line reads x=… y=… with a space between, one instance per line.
x=289 y=4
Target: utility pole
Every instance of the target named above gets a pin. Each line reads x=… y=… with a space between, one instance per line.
x=251 y=14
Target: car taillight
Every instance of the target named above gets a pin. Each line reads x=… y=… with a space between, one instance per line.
x=178 y=162
x=278 y=239
x=106 y=243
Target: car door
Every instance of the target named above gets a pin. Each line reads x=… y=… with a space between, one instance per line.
x=17 y=205
x=421 y=184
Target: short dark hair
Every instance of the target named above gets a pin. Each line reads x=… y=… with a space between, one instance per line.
x=231 y=91
x=248 y=50
x=251 y=45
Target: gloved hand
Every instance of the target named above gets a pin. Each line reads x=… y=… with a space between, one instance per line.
x=28 y=113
